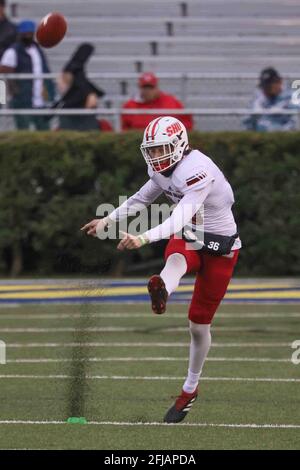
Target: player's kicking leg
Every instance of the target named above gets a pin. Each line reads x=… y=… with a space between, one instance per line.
x=179 y=261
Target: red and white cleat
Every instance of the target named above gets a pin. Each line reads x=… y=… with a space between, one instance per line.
x=158 y=294
x=181 y=407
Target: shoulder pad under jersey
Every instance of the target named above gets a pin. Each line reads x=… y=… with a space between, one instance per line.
x=192 y=173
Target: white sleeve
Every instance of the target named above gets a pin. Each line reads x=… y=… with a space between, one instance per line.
x=9 y=58
x=147 y=194
x=181 y=215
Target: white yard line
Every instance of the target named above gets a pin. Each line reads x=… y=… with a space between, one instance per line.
x=141 y=345
x=121 y=329
x=141 y=359
x=166 y=378
x=120 y=423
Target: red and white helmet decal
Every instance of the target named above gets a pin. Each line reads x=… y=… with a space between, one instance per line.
x=151 y=129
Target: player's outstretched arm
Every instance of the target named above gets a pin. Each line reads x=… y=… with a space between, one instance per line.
x=95 y=226
x=141 y=199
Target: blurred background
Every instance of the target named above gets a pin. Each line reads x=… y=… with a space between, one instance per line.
x=228 y=69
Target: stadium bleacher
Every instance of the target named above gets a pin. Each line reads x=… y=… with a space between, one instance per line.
x=179 y=37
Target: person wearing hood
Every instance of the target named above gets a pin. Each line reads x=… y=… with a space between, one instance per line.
x=78 y=92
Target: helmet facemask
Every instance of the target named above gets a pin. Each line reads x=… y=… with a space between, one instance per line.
x=164 y=159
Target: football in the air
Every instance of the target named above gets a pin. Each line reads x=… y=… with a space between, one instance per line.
x=51 y=30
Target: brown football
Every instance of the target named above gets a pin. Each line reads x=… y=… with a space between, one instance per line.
x=51 y=30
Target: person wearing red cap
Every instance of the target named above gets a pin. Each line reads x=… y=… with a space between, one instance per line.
x=151 y=97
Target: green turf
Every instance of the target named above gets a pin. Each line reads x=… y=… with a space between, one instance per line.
x=141 y=400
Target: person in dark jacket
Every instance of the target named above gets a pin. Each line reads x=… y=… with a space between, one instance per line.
x=78 y=92
x=8 y=30
x=26 y=56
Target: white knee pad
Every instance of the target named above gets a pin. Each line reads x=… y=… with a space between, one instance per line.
x=177 y=259
x=173 y=271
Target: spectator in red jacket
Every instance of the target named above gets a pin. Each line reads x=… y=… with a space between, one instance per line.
x=151 y=97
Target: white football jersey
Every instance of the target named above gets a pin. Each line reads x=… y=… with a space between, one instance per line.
x=195 y=172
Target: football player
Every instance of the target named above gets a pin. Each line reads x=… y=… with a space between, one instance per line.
x=208 y=245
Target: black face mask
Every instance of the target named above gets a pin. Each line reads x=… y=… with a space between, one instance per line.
x=27 y=42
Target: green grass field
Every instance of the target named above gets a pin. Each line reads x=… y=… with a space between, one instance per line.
x=135 y=365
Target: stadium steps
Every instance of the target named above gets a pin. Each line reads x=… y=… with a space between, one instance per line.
x=211 y=36
x=169 y=26
x=154 y=46
x=177 y=8
x=182 y=64
x=123 y=88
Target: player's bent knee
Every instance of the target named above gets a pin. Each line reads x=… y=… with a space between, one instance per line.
x=178 y=246
x=177 y=258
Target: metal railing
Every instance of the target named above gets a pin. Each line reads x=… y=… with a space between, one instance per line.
x=117 y=113
x=137 y=2
x=123 y=79
x=164 y=75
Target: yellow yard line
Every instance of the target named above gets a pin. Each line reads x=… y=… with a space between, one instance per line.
x=264 y=295
x=128 y=288
x=272 y=285
x=75 y=293
x=135 y=291
x=233 y=287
